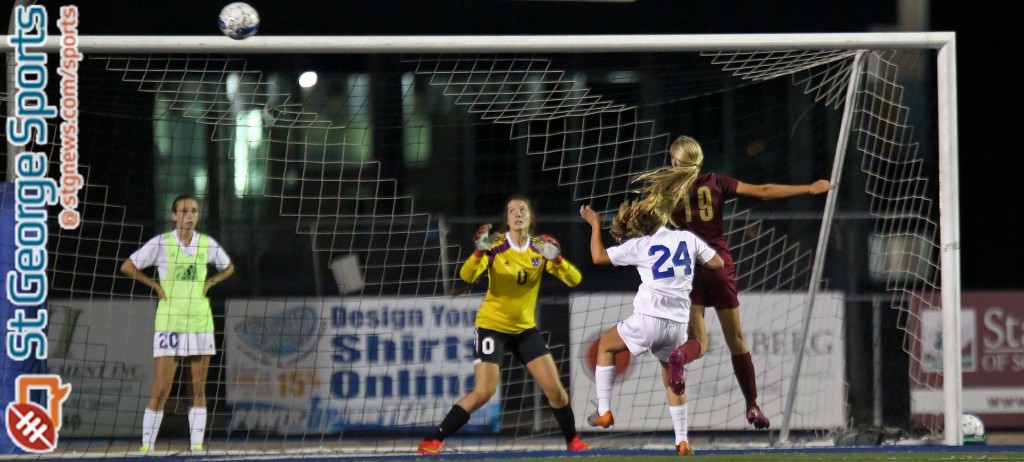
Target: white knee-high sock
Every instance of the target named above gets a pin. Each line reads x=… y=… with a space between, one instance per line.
x=679 y=423
x=603 y=378
x=197 y=424
x=151 y=425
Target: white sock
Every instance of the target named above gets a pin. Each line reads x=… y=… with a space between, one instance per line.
x=604 y=376
x=151 y=425
x=678 y=414
x=197 y=424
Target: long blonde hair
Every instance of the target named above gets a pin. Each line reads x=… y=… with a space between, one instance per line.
x=668 y=187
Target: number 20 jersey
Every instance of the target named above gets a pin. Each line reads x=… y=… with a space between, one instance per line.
x=666 y=261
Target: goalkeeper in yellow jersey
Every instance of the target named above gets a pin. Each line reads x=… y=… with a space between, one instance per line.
x=514 y=262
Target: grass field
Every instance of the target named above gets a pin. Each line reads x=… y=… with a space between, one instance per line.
x=796 y=457
x=1010 y=448
x=893 y=454
x=896 y=454
x=900 y=456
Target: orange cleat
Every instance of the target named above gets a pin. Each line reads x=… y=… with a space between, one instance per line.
x=605 y=420
x=684 y=449
x=757 y=418
x=431 y=447
x=577 y=444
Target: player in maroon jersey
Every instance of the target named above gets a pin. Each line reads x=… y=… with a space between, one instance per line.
x=695 y=201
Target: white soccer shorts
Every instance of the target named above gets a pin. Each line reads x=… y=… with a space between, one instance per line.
x=642 y=333
x=183 y=344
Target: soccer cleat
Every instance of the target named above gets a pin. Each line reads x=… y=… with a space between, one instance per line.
x=605 y=420
x=684 y=449
x=577 y=444
x=431 y=447
x=196 y=448
x=675 y=372
x=144 y=449
x=757 y=418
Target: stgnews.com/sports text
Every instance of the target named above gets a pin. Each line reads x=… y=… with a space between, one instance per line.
x=34 y=426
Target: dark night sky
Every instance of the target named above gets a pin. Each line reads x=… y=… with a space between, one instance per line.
x=989 y=224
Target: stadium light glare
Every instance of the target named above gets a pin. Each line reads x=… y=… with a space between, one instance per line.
x=307 y=79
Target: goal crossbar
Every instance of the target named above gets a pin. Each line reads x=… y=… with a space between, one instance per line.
x=506 y=43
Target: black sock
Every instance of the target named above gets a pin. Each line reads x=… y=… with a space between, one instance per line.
x=566 y=421
x=456 y=418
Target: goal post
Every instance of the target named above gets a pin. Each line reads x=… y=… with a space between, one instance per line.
x=561 y=118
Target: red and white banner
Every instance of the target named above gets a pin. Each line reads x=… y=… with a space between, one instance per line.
x=992 y=345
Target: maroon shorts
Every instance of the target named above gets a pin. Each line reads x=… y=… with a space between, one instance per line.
x=715 y=288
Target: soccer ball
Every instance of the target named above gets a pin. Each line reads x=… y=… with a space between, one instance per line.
x=972 y=426
x=239 y=20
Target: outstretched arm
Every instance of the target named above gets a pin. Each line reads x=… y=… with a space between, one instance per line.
x=598 y=252
x=780 y=191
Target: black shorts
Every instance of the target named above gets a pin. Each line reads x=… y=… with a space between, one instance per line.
x=489 y=345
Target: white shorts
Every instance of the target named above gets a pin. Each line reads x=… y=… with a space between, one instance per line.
x=183 y=344
x=643 y=333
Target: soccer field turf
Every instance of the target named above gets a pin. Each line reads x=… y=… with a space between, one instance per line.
x=799 y=457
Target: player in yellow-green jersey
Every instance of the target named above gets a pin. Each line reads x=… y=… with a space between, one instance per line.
x=184 y=322
x=514 y=264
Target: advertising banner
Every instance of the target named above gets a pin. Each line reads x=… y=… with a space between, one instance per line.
x=992 y=349
x=105 y=349
x=326 y=365
x=773 y=328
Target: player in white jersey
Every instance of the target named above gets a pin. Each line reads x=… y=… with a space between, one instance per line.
x=665 y=260
x=183 y=325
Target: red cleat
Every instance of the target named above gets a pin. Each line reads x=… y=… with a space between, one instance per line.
x=684 y=449
x=577 y=444
x=757 y=418
x=675 y=372
x=431 y=447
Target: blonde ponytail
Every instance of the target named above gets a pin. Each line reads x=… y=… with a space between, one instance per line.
x=668 y=187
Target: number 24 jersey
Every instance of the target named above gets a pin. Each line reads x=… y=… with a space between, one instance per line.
x=666 y=262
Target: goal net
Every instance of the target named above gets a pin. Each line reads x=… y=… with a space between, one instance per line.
x=345 y=177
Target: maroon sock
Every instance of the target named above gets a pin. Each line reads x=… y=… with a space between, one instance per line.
x=744 y=369
x=691 y=350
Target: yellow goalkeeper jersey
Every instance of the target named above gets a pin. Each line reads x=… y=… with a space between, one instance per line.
x=515 y=275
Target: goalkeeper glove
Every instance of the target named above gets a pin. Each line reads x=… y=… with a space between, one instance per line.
x=483 y=240
x=549 y=248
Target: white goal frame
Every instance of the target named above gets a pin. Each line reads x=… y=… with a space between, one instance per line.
x=946 y=86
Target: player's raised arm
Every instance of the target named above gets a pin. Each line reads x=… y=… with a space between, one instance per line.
x=554 y=264
x=476 y=265
x=598 y=252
